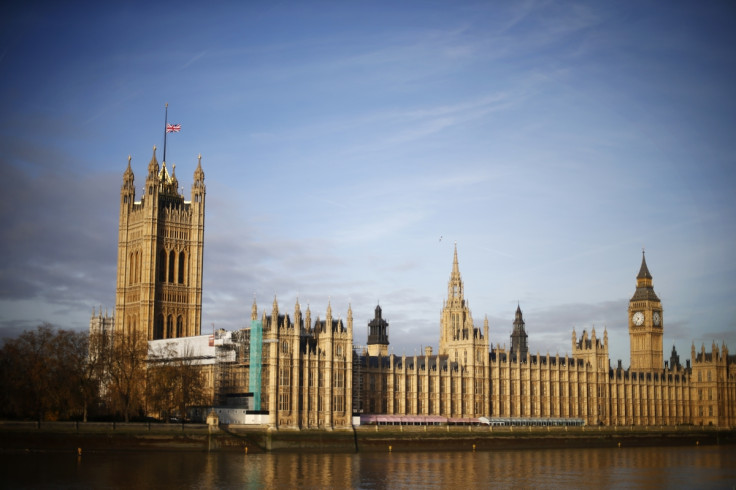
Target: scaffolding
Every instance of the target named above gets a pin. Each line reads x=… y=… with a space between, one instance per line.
x=225 y=357
x=255 y=359
x=359 y=357
x=231 y=353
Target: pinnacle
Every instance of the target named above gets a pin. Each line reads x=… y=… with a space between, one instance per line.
x=644 y=270
x=153 y=164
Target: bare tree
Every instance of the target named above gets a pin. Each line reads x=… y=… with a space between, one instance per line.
x=26 y=373
x=46 y=374
x=126 y=369
x=174 y=381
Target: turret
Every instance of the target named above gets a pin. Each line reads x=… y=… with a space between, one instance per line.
x=127 y=190
x=198 y=187
x=297 y=315
x=378 y=334
x=518 y=336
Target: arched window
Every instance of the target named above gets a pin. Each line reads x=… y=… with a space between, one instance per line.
x=131 y=268
x=158 y=329
x=179 y=326
x=169 y=326
x=138 y=267
x=162 y=266
x=172 y=262
x=181 y=267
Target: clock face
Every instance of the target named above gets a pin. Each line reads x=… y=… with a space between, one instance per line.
x=657 y=318
x=638 y=318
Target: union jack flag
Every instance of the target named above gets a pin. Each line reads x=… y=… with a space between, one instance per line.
x=173 y=128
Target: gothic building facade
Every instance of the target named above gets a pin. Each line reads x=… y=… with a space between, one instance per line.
x=308 y=373
x=160 y=250
x=468 y=378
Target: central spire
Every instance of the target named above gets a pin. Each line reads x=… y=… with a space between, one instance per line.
x=455 y=266
x=644 y=270
x=455 y=285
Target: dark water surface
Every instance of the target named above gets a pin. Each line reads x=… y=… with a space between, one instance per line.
x=668 y=467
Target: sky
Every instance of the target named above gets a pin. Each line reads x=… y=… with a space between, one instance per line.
x=348 y=147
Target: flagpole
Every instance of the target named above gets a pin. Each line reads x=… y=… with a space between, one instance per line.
x=166 y=123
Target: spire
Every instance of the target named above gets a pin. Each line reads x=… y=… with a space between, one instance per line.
x=644 y=290
x=455 y=266
x=298 y=314
x=455 y=285
x=519 y=336
x=153 y=165
x=254 y=309
x=275 y=313
x=128 y=175
x=644 y=270
x=164 y=174
x=198 y=172
x=174 y=180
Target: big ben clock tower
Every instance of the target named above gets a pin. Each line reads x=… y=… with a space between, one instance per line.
x=645 y=324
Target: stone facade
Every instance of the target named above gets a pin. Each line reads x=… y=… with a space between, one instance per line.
x=312 y=377
x=160 y=247
x=309 y=369
x=467 y=379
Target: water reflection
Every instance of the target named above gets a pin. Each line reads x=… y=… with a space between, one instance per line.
x=680 y=467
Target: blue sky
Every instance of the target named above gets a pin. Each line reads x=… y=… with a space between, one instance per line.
x=348 y=146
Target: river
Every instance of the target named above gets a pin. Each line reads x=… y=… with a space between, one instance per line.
x=651 y=467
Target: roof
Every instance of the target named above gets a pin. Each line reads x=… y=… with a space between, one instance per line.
x=644 y=270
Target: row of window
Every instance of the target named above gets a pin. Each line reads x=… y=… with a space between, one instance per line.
x=338 y=402
x=175 y=327
x=169 y=268
x=338 y=376
x=167 y=272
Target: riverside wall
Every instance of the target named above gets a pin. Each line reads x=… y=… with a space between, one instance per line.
x=110 y=436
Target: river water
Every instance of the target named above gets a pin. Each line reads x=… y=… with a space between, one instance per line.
x=667 y=467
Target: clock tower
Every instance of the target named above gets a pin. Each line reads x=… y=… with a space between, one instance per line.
x=645 y=324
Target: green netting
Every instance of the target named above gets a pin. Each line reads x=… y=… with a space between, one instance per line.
x=256 y=344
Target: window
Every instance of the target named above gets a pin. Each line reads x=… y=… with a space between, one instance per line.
x=284 y=401
x=284 y=376
x=338 y=403
x=181 y=267
x=171 y=266
x=162 y=266
x=158 y=330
